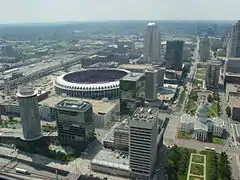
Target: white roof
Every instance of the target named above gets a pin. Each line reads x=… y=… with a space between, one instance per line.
x=218 y=122
x=63 y=84
x=151 y=24
x=110 y=164
x=200 y=125
x=186 y=118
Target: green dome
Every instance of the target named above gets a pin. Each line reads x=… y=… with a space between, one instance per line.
x=203 y=108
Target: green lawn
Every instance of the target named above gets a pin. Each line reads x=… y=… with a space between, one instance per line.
x=201 y=71
x=197 y=81
x=195 y=178
x=200 y=76
x=198 y=159
x=191 y=107
x=8 y=122
x=184 y=135
x=209 y=160
x=197 y=169
x=217 y=140
x=213 y=110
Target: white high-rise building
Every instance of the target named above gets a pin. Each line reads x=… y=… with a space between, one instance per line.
x=234 y=41
x=28 y=102
x=152 y=44
x=143 y=142
x=150 y=84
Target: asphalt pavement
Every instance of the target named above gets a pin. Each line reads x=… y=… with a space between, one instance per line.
x=170 y=135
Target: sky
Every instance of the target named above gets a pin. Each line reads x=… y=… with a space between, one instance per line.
x=21 y=11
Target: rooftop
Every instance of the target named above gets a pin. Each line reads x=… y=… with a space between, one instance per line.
x=234 y=100
x=145 y=114
x=218 y=122
x=98 y=105
x=200 y=125
x=233 y=58
x=186 y=118
x=203 y=108
x=27 y=91
x=111 y=159
x=136 y=66
x=123 y=126
x=151 y=24
x=232 y=74
x=73 y=104
x=232 y=88
x=132 y=76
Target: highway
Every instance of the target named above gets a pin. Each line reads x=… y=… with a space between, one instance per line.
x=50 y=69
x=34 y=173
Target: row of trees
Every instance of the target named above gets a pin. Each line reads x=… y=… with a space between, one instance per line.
x=217 y=166
x=214 y=97
x=178 y=161
x=224 y=167
x=182 y=96
x=228 y=111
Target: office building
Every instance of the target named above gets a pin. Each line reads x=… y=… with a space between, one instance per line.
x=152 y=44
x=75 y=121
x=212 y=75
x=234 y=104
x=232 y=65
x=121 y=137
x=234 y=41
x=150 y=84
x=132 y=94
x=28 y=102
x=174 y=55
x=204 y=49
x=160 y=76
x=142 y=142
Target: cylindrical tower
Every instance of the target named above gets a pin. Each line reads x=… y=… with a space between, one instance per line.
x=31 y=126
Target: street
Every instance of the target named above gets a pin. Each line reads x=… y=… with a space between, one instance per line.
x=170 y=135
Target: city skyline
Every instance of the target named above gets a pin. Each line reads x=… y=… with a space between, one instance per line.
x=78 y=10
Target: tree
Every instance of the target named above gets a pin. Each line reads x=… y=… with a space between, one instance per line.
x=10 y=118
x=210 y=98
x=218 y=109
x=224 y=167
x=216 y=96
x=228 y=111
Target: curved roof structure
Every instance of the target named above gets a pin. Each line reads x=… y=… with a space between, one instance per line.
x=91 y=79
x=203 y=108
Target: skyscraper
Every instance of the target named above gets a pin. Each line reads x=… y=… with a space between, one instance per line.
x=234 y=41
x=212 y=75
x=75 y=121
x=28 y=102
x=143 y=142
x=204 y=49
x=150 y=84
x=132 y=87
x=174 y=55
x=152 y=44
x=160 y=76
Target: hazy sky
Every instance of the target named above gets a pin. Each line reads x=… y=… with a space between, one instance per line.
x=17 y=11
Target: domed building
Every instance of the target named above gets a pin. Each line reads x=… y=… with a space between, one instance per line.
x=201 y=124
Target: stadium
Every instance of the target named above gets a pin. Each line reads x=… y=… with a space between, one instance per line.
x=90 y=83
